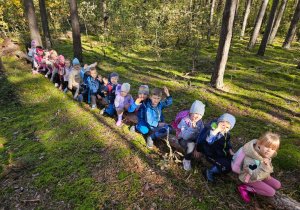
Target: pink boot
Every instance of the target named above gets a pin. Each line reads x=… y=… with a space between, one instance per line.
x=34 y=72
x=244 y=189
x=119 y=122
x=60 y=87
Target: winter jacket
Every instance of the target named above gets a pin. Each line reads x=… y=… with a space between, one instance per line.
x=75 y=78
x=253 y=163
x=94 y=85
x=215 y=145
x=187 y=131
x=32 y=53
x=133 y=107
x=67 y=70
x=110 y=89
x=121 y=101
x=153 y=115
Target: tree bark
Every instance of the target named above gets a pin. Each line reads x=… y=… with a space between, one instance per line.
x=277 y=21
x=258 y=22
x=77 y=49
x=292 y=30
x=247 y=12
x=224 y=44
x=211 y=19
x=45 y=24
x=32 y=21
x=104 y=8
x=264 y=41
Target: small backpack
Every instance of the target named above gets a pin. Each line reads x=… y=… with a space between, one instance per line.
x=181 y=115
x=238 y=161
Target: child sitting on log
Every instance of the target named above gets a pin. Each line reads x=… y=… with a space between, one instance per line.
x=94 y=86
x=150 y=117
x=32 y=53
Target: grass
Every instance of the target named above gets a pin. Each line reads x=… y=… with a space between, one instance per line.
x=69 y=156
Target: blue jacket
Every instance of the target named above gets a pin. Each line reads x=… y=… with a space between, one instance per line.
x=94 y=85
x=218 y=145
x=152 y=115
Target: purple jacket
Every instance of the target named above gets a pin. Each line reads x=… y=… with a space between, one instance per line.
x=121 y=101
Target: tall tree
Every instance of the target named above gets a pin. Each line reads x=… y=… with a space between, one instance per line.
x=45 y=24
x=77 y=49
x=211 y=19
x=247 y=12
x=224 y=44
x=292 y=30
x=258 y=22
x=264 y=41
x=277 y=21
x=105 y=17
x=33 y=26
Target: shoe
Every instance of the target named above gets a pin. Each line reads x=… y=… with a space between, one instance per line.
x=51 y=80
x=187 y=165
x=80 y=98
x=102 y=111
x=56 y=85
x=65 y=90
x=119 y=122
x=244 y=189
x=149 y=142
x=93 y=106
x=60 y=87
x=46 y=76
x=132 y=128
x=75 y=97
x=34 y=72
x=208 y=175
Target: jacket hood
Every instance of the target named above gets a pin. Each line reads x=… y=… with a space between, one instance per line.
x=251 y=150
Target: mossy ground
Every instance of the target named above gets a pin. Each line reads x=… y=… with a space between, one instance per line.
x=68 y=156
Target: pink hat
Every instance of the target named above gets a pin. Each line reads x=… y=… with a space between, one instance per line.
x=61 y=57
x=39 y=50
x=33 y=42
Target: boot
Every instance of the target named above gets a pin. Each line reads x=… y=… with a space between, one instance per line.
x=244 y=189
x=208 y=173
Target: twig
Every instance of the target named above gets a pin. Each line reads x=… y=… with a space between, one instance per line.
x=31 y=200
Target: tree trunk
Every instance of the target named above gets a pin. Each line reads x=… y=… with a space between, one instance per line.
x=77 y=49
x=277 y=21
x=211 y=19
x=45 y=24
x=290 y=36
x=224 y=44
x=32 y=21
x=258 y=22
x=247 y=12
x=264 y=41
x=104 y=8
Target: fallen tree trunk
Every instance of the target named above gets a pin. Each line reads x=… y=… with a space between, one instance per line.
x=22 y=55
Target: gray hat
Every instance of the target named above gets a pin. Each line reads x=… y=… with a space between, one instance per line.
x=198 y=107
x=125 y=87
x=144 y=89
x=228 y=118
x=114 y=74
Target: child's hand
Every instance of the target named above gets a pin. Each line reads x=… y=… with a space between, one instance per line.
x=196 y=154
x=267 y=162
x=161 y=124
x=94 y=64
x=166 y=90
x=98 y=96
x=29 y=49
x=268 y=177
x=194 y=124
x=231 y=152
x=105 y=80
x=138 y=101
x=99 y=78
x=85 y=66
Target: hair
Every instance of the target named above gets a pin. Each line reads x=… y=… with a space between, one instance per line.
x=54 y=53
x=69 y=61
x=269 y=139
x=156 y=91
x=93 y=69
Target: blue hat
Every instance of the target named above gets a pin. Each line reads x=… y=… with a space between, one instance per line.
x=198 y=107
x=114 y=74
x=144 y=89
x=227 y=118
x=76 y=62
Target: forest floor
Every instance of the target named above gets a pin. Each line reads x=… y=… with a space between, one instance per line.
x=58 y=153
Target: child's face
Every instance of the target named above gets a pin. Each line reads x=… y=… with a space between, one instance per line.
x=41 y=52
x=143 y=96
x=77 y=67
x=53 y=57
x=33 y=45
x=155 y=99
x=94 y=74
x=114 y=80
x=62 y=60
x=266 y=152
x=67 y=64
x=225 y=126
x=123 y=93
x=195 y=117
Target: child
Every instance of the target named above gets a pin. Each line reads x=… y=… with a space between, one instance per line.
x=150 y=116
x=50 y=65
x=75 y=79
x=94 y=84
x=68 y=68
x=216 y=146
x=142 y=96
x=59 y=76
x=43 y=61
x=38 y=59
x=32 y=52
x=122 y=101
x=110 y=88
x=190 y=127
x=257 y=164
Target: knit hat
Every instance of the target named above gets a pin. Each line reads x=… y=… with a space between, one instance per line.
x=33 y=42
x=125 y=87
x=228 y=118
x=61 y=57
x=114 y=74
x=76 y=62
x=198 y=108
x=144 y=89
x=39 y=50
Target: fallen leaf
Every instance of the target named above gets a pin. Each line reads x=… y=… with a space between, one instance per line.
x=146 y=187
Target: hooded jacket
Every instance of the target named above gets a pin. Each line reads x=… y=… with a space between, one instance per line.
x=75 y=78
x=257 y=172
x=187 y=130
x=151 y=115
x=121 y=101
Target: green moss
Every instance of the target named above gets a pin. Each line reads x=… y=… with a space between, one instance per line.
x=288 y=157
